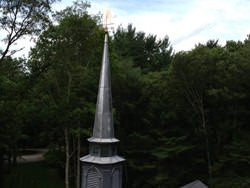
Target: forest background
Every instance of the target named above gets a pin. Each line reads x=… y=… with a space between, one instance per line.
x=180 y=116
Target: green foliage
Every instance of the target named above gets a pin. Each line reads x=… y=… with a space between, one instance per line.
x=170 y=147
x=64 y=67
x=147 y=52
x=19 y=18
x=13 y=105
x=33 y=175
x=179 y=117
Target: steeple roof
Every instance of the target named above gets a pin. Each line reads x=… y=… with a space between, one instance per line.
x=103 y=143
x=103 y=127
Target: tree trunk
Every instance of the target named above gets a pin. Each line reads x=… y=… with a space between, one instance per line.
x=204 y=126
x=15 y=155
x=1 y=169
x=73 y=160
x=66 y=134
x=9 y=159
x=209 y=164
x=78 y=161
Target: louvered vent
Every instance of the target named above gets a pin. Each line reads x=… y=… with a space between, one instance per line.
x=94 y=179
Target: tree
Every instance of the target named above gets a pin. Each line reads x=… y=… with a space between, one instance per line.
x=145 y=51
x=232 y=98
x=192 y=74
x=12 y=108
x=64 y=61
x=19 y=18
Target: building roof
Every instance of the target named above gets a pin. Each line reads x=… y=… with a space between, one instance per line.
x=195 y=184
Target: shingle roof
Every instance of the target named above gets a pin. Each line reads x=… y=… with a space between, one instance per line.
x=195 y=184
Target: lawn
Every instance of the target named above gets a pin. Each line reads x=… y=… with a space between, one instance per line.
x=33 y=175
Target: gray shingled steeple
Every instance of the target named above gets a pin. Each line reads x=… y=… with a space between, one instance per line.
x=102 y=168
x=103 y=127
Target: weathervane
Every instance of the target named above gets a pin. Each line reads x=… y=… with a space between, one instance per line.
x=107 y=16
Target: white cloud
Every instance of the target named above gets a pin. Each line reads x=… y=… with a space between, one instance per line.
x=197 y=22
x=186 y=22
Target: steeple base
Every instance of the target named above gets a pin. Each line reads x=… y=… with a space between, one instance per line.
x=101 y=175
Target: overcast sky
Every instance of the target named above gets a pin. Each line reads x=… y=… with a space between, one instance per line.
x=186 y=22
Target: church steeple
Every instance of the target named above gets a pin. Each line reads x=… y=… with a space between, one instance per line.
x=103 y=126
x=102 y=168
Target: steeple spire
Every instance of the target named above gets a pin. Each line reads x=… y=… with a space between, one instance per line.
x=102 y=168
x=103 y=126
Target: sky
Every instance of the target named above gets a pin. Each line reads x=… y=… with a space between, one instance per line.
x=185 y=22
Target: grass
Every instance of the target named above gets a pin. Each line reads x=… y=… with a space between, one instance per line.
x=33 y=175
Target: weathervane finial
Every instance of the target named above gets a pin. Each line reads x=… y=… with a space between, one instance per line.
x=107 y=16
